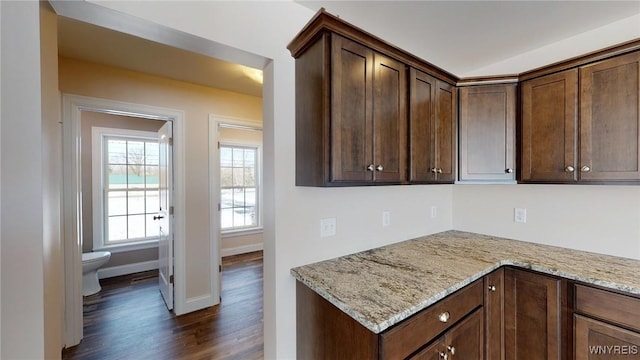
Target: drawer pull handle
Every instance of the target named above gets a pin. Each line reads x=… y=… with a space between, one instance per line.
x=492 y=288
x=444 y=317
x=451 y=349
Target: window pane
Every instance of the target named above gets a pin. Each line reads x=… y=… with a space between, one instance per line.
x=116 y=151
x=249 y=176
x=153 y=204
x=238 y=176
x=249 y=157
x=238 y=157
x=135 y=152
x=136 y=226
x=226 y=177
x=225 y=156
x=116 y=177
x=226 y=198
x=135 y=176
x=250 y=196
x=153 y=226
x=226 y=218
x=238 y=217
x=116 y=203
x=250 y=216
x=136 y=202
x=151 y=173
x=117 y=228
x=238 y=198
x=151 y=153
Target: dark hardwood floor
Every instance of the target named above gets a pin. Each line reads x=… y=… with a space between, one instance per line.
x=128 y=319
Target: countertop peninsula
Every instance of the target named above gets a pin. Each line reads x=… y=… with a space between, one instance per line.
x=383 y=286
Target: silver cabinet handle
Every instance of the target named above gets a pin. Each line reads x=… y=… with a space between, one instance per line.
x=444 y=317
x=569 y=169
x=433 y=170
x=379 y=168
x=444 y=356
x=451 y=349
x=585 y=169
x=439 y=170
x=492 y=288
x=508 y=171
x=370 y=167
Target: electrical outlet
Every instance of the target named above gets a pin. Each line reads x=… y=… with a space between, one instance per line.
x=386 y=218
x=327 y=227
x=434 y=212
x=520 y=215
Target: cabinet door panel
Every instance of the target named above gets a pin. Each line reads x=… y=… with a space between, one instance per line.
x=435 y=351
x=596 y=340
x=352 y=93
x=487 y=132
x=464 y=341
x=423 y=92
x=445 y=131
x=533 y=327
x=390 y=120
x=609 y=119
x=549 y=120
x=494 y=315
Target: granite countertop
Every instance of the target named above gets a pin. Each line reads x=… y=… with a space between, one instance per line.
x=383 y=286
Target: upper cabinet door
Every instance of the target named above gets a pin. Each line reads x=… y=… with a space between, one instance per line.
x=609 y=119
x=487 y=132
x=549 y=119
x=351 y=104
x=389 y=120
x=422 y=136
x=446 y=118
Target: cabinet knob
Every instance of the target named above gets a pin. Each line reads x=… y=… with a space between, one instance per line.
x=585 y=169
x=492 y=288
x=451 y=349
x=439 y=170
x=433 y=170
x=379 y=168
x=508 y=171
x=569 y=169
x=370 y=167
x=444 y=356
x=444 y=317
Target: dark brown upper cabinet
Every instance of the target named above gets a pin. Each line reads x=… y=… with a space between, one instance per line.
x=549 y=125
x=609 y=120
x=487 y=133
x=597 y=142
x=432 y=128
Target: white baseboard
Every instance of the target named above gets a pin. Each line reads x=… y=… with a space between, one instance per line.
x=127 y=269
x=241 y=249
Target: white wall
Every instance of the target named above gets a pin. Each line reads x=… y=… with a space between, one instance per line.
x=603 y=219
x=22 y=313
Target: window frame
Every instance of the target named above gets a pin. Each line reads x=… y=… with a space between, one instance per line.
x=98 y=165
x=245 y=230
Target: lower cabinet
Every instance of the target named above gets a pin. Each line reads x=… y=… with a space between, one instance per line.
x=607 y=325
x=462 y=341
x=534 y=320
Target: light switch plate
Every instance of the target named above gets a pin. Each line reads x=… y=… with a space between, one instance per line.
x=386 y=218
x=520 y=215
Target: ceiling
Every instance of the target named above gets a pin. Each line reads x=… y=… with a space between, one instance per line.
x=462 y=36
x=458 y=36
x=96 y=44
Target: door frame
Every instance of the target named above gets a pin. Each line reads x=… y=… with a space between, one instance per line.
x=72 y=107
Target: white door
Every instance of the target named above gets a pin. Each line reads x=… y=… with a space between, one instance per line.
x=165 y=216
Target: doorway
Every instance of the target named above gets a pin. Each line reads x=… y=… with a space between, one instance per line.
x=74 y=107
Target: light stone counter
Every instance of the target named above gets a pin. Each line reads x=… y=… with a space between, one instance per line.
x=383 y=286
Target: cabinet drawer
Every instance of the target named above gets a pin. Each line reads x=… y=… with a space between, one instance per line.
x=620 y=309
x=408 y=336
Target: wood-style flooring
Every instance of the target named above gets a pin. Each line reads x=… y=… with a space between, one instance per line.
x=129 y=320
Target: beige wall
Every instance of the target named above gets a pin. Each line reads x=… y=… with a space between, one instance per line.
x=90 y=119
x=232 y=244
x=51 y=195
x=197 y=102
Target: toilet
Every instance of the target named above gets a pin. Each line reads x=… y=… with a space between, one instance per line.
x=91 y=262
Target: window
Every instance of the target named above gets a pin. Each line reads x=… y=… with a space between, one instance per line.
x=239 y=187
x=125 y=183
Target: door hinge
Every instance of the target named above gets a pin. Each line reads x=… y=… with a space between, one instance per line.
x=218 y=144
x=170 y=210
x=220 y=268
x=170 y=279
x=171 y=141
